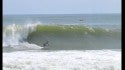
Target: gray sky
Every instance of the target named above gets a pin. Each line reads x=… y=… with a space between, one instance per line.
x=61 y=6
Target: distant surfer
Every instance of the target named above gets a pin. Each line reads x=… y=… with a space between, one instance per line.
x=81 y=20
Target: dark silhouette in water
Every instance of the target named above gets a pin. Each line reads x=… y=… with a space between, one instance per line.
x=81 y=20
x=46 y=45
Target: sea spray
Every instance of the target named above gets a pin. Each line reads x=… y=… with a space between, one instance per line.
x=14 y=35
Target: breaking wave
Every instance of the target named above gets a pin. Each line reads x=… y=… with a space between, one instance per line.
x=61 y=36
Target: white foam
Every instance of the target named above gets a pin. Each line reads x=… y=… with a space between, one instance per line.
x=15 y=34
x=90 y=28
x=62 y=60
x=26 y=46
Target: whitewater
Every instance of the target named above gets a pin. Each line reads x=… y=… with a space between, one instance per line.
x=62 y=60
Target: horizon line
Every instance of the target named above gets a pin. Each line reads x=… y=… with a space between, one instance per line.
x=60 y=14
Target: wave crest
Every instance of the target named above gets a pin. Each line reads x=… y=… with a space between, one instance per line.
x=16 y=34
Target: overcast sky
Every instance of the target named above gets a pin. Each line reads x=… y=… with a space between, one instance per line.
x=61 y=6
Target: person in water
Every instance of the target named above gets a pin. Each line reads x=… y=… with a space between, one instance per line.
x=46 y=44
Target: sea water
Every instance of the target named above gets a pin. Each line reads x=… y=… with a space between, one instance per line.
x=76 y=42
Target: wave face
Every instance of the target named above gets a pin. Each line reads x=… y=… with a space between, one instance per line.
x=61 y=36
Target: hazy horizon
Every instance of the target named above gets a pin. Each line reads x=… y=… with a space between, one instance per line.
x=18 y=7
x=67 y=14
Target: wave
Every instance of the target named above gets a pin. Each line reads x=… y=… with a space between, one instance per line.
x=70 y=36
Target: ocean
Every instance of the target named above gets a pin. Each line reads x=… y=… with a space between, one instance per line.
x=62 y=42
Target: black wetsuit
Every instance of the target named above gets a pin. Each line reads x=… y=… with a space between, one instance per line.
x=46 y=44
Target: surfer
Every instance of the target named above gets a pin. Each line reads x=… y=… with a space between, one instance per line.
x=81 y=20
x=46 y=44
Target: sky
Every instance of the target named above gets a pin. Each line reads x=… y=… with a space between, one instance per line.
x=61 y=6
